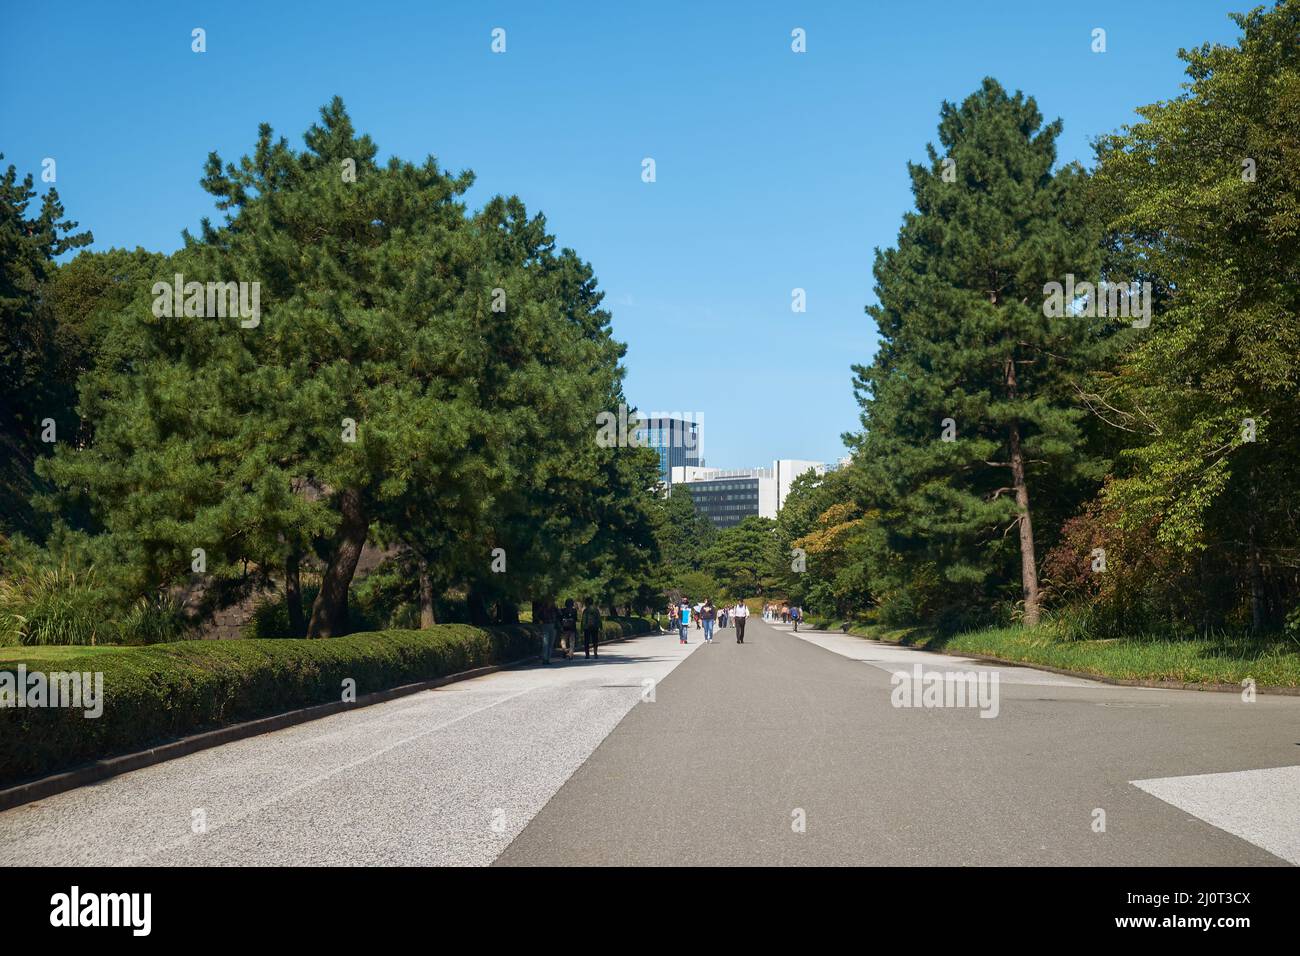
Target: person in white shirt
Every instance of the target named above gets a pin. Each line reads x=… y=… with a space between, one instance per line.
x=740 y=614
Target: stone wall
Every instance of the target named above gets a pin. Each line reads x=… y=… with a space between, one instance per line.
x=229 y=622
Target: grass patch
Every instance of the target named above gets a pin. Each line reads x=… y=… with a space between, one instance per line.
x=1225 y=660
x=41 y=654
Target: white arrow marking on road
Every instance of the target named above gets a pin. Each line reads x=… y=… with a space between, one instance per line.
x=1260 y=806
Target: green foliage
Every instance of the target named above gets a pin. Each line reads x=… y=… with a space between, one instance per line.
x=53 y=605
x=270 y=618
x=475 y=425
x=695 y=586
x=836 y=541
x=684 y=537
x=742 y=557
x=1211 y=391
x=42 y=603
x=33 y=387
x=153 y=620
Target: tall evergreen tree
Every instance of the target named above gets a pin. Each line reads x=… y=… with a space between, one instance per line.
x=32 y=388
x=970 y=420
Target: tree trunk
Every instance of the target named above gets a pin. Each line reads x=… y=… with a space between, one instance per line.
x=293 y=595
x=329 y=613
x=507 y=612
x=428 y=617
x=1028 y=560
x=477 y=606
x=1256 y=572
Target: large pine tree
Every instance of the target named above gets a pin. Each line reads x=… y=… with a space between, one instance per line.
x=418 y=375
x=971 y=425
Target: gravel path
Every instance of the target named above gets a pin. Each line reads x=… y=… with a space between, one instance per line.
x=446 y=776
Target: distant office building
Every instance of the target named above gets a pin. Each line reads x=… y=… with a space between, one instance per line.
x=728 y=496
x=787 y=470
x=677 y=440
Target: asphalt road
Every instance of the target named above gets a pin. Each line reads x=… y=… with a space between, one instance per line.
x=787 y=750
x=745 y=742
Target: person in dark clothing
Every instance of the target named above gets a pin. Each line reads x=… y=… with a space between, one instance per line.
x=591 y=625
x=548 y=617
x=568 y=628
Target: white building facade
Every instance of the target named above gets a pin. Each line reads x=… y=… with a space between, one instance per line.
x=728 y=496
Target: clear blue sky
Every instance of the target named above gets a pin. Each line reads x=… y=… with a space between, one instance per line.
x=775 y=170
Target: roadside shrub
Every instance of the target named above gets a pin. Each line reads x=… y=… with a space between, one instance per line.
x=617 y=627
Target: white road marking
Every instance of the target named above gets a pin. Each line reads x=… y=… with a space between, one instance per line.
x=892 y=657
x=1260 y=806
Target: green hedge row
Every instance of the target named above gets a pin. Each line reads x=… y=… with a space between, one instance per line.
x=163 y=691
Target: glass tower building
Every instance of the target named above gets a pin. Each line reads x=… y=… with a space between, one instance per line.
x=677 y=440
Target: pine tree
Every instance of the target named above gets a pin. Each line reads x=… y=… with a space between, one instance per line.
x=969 y=411
x=416 y=374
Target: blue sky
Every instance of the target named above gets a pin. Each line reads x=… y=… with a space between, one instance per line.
x=775 y=170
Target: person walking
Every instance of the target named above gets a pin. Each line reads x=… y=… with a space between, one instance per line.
x=740 y=614
x=709 y=615
x=723 y=614
x=591 y=625
x=548 y=616
x=672 y=617
x=795 y=615
x=684 y=620
x=568 y=628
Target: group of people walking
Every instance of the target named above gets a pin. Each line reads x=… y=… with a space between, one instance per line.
x=562 y=625
x=566 y=623
x=707 y=616
x=785 y=613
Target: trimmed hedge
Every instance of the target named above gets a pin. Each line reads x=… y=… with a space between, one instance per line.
x=163 y=691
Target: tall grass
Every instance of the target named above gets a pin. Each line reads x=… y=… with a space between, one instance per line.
x=60 y=605
x=54 y=605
